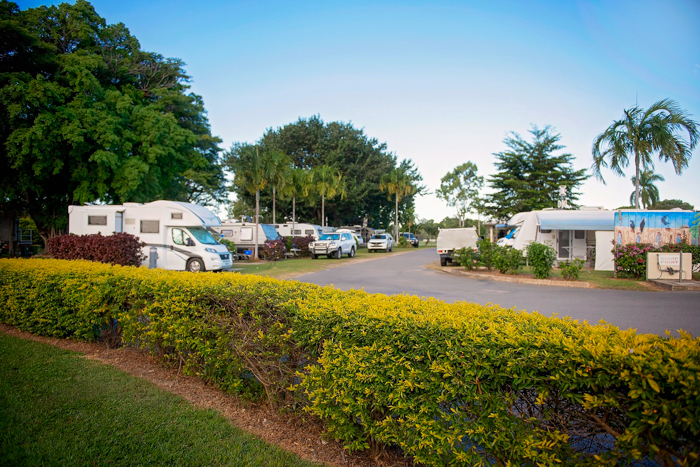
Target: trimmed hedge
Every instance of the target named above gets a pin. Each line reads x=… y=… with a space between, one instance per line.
x=121 y=248
x=458 y=384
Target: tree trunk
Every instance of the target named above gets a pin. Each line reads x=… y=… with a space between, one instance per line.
x=257 y=227
x=636 y=184
x=323 y=210
x=274 y=198
x=294 y=213
x=396 y=222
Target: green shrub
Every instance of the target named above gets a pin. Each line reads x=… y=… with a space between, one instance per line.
x=467 y=257
x=487 y=253
x=402 y=242
x=541 y=258
x=450 y=384
x=507 y=259
x=571 y=270
x=228 y=244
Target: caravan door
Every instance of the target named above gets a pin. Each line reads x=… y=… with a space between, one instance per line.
x=571 y=244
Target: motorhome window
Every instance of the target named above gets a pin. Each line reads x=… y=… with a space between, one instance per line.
x=298 y=232
x=150 y=226
x=270 y=232
x=97 y=220
x=308 y=232
x=181 y=238
x=330 y=237
x=176 y=215
x=227 y=233
x=202 y=235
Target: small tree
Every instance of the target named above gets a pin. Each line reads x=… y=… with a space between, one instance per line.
x=541 y=258
x=460 y=188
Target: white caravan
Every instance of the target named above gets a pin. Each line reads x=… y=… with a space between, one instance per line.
x=299 y=230
x=451 y=240
x=175 y=233
x=243 y=234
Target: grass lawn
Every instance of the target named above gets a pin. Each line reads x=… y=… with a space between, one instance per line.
x=289 y=268
x=58 y=408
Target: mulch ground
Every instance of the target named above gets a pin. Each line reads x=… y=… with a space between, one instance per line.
x=299 y=434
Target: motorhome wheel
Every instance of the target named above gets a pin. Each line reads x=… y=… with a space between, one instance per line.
x=195 y=265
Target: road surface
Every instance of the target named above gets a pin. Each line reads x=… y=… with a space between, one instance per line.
x=647 y=312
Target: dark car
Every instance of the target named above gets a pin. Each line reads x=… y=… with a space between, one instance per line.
x=410 y=237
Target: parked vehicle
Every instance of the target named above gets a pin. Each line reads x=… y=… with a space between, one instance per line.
x=175 y=233
x=358 y=239
x=411 y=238
x=451 y=240
x=243 y=235
x=333 y=245
x=299 y=230
x=381 y=242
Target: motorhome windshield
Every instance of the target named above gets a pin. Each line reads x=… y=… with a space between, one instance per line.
x=270 y=231
x=330 y=237
x=202 y=236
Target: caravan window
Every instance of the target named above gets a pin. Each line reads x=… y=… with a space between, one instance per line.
x=227 y=233
x=97 y=220
x=150 y=226
x=297 y=232
x=309 y=232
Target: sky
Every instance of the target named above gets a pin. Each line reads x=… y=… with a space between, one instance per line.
x=440 y=82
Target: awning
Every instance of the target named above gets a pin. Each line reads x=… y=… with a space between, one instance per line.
x=576 y=220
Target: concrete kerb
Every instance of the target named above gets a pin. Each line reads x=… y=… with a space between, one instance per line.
x=521 y=280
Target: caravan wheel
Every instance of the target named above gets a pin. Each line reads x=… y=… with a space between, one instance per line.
x=195 y=265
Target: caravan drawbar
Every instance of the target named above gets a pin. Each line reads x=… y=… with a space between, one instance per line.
x=175 y=231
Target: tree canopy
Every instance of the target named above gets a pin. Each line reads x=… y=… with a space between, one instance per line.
x=460 y=189
x=86 y=115
x=310 y=143
x=668 y=204
x=530 y=174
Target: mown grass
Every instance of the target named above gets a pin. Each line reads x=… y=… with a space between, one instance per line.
x=57 y=408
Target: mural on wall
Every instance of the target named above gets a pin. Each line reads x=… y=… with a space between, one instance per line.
x=656 y=227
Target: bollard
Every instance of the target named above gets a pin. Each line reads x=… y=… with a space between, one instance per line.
x=152 y=257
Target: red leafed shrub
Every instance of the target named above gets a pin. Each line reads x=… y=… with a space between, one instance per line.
x=300 y=243
x=120 y=248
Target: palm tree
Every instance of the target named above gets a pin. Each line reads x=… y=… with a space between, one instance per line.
x=252 y=171
x=398 y=183
x=648 y=193
x=641 y=134
x=278 y=172
x=299 y=183
x=328 y=183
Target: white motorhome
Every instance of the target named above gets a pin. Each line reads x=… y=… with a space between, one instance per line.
x=175 y=233
x=299 y=230
x=451 y=240
x=243 y=234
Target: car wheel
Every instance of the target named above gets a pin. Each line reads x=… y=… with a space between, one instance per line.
x=314 y=256
x=195 y=265
x=352 y=253
x=339 y=253
x=391 y=249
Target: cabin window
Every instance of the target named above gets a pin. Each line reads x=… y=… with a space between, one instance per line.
x=579 y=234
x=227 y=233
x=150 y=226
x=176 y=215
x=180 y=237
x=309 y=232
x=97 y=220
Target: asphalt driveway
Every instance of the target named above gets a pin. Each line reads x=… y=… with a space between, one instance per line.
x=647 y=312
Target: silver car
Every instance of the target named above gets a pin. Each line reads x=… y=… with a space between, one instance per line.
x=333 y=245
x=381 y=242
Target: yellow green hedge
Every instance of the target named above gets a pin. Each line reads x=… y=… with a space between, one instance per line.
x=451 y=384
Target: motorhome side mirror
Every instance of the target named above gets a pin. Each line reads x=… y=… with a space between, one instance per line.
x=189 y=242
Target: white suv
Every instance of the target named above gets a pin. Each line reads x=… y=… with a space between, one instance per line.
x=333 y=245
x=383 y=242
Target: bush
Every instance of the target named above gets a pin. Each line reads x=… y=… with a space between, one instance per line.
x=228 y=244
x=631 y=259
x=571 y=270
x=468 y=257
x=402 y=242
x=541 y=258
x=273 y=250
x=487 y=253
x=121 y=248
x=300 y=243
x=507 y=260
x=450 y=384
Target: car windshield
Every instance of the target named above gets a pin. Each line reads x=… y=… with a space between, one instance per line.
x=330 y=237
x=379 y=237
x=202 y=236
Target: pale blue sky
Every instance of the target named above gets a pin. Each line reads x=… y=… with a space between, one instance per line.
x=440 y=82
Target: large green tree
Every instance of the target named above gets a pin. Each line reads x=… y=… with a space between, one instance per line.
x=530 y=174
x=86 y=116
x=399 y=183
x=460 y=188
x=310 y=142
x=640 y=135
x=668 y=204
